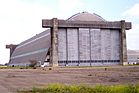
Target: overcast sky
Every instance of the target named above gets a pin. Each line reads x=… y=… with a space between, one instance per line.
x=21 y=19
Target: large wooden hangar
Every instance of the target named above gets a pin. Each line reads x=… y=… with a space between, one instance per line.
x=84 y=39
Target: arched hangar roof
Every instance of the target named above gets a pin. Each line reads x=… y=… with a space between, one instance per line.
x=85 y=16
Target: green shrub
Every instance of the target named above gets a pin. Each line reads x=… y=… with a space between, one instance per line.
x=33 y=63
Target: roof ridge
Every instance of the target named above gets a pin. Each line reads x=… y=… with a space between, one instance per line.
x=85 y=16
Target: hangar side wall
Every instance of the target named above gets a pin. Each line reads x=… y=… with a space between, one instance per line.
x=34 y=48
x=87 y=47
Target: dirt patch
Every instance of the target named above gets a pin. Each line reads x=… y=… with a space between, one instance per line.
x=15 y=79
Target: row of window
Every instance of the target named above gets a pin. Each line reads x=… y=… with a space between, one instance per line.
x=89 y=61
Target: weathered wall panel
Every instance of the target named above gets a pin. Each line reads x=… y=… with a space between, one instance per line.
x=95 y=35
x=105 y=45
x=84 y=44
x=72 y=43
x=62 y=50
x=115 y=45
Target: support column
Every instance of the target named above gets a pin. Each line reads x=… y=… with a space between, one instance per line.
x=12 y=48
x=123 y=57
x=54 y=43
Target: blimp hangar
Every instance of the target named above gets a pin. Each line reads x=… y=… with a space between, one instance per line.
x=84 y=39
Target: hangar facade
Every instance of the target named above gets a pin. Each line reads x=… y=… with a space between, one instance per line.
x=84 y=39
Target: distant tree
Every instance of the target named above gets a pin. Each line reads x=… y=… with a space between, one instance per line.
x=33 y=63
x=0 y=64
x=6 y=64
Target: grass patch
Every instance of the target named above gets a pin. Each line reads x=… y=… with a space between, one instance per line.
x=60 y=88
x=15 y=67
x=3 y=66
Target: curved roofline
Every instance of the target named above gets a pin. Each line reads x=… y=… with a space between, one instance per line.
x=96 y=17
x=99 y=16
x=73 y=15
